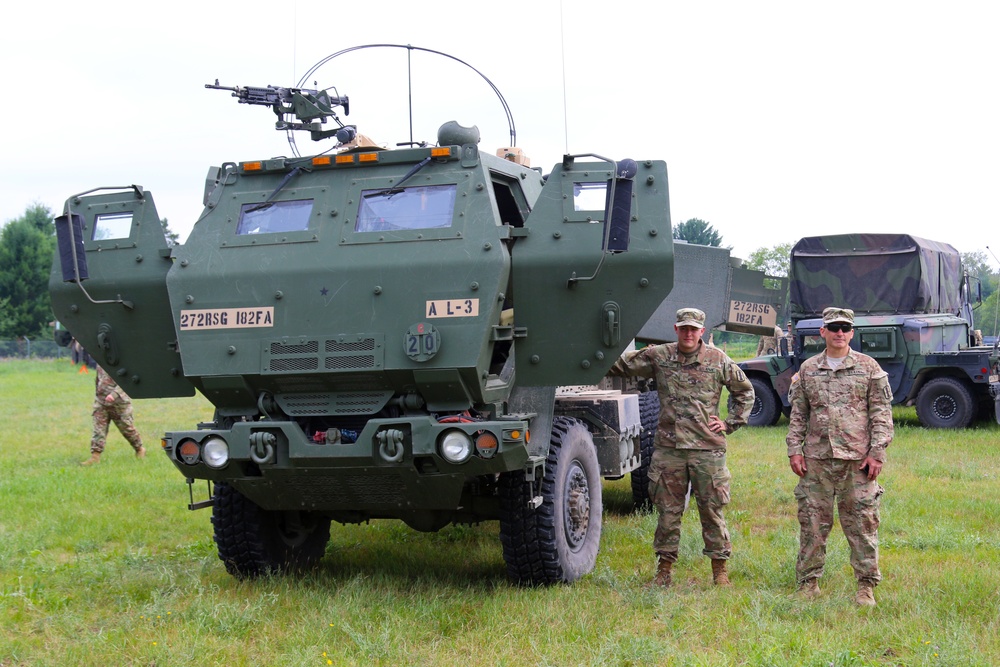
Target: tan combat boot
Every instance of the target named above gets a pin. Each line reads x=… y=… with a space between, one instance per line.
x=808 y=589
x=140 y=453
x=94 y=458
x=662 y=577
x=719 y=575
x=865 y=596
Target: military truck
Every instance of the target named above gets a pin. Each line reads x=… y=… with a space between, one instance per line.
x=413 y=333
x=913 y=314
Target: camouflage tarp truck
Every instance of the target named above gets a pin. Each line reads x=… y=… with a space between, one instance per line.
x=382 y=334
x=912 y=314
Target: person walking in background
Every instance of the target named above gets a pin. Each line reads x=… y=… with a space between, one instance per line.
x=839 y=428
x=111 y=403
x=769 y=344
x=690 y=443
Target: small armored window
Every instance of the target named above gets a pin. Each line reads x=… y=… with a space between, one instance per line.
x=511 y=202
x=112 y=226
x=590 y=196
x=424 y=207
x=275 y=217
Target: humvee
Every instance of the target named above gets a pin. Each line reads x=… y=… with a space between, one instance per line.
x=913 y=314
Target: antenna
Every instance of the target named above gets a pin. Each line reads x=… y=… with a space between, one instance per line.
x=562 y=46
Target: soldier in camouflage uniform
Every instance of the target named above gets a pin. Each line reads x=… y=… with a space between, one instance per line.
x=111 y=403
x=690 y=441
x=769 y=344
x=840 y=426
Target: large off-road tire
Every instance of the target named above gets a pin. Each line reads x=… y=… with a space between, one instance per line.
x=945 y=403
x=558 y=540
x=253 y=542
x=766 y=410
x=649 y=417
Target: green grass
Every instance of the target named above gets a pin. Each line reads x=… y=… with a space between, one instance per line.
x=106 y=566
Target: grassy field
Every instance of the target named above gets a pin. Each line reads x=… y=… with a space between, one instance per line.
x=106 y=566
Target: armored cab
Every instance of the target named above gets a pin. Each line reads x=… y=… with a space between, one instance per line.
x=913 y=314
x=382 y=333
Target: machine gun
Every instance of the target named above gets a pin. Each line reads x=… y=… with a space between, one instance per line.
x=308 y=106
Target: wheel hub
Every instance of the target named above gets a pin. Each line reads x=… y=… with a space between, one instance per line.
x=944 y=407
x=577 y=518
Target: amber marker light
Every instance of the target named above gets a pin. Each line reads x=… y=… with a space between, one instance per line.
x=486 y=444
x=344 y=159
x=444 y=151
x=252 y=166
x=321 y=161
x=189 y=451
x=367 y=157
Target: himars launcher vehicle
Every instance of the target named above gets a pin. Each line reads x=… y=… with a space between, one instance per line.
x=913 y=314
x=382 y=334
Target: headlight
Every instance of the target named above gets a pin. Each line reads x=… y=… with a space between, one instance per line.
x=455 y=446
x=215 y=452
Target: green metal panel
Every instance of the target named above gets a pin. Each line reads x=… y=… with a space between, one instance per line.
x=120 y=313
x=578 y=305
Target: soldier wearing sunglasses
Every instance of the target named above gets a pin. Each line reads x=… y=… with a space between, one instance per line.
x=839 y=428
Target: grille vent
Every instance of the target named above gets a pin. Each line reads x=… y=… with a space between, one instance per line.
x=363 y=352
x=335 y=403
x=357 y=491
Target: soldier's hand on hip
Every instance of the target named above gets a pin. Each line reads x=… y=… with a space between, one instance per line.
x=716 y=425
x=798 y=464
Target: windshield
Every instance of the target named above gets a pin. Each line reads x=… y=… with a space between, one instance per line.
x=273 y=217
x=423 y=207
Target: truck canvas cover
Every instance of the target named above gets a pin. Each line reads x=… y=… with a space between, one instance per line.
x=888 y=274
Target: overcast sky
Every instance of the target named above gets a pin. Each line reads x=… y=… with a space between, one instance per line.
x=777 y=120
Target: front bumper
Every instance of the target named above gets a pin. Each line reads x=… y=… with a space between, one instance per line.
x=394 y=465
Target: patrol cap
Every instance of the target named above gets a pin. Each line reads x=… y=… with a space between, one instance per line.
x=690 y=317
x=831 y=315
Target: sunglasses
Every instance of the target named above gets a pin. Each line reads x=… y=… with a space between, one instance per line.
x=838 y=327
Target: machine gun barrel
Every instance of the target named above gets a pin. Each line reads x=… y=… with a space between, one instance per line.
x=277 y=95
x=264 y=96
